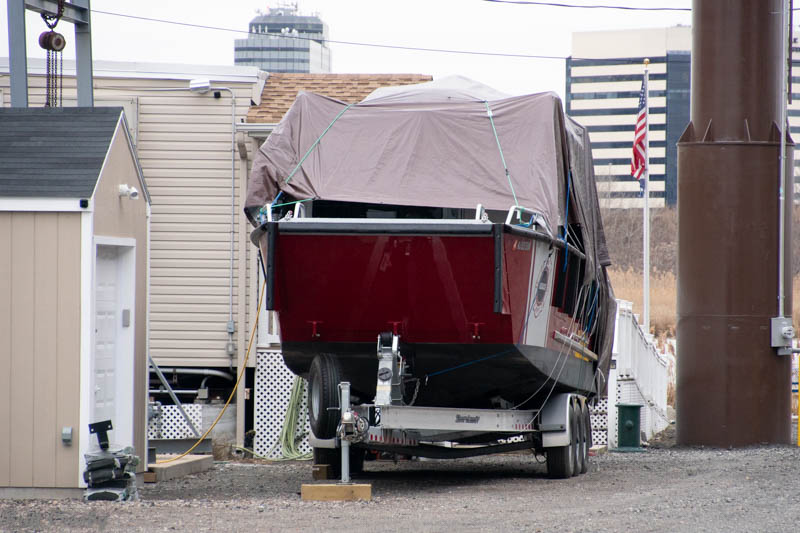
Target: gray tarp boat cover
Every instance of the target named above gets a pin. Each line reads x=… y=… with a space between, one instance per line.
x=440 y=144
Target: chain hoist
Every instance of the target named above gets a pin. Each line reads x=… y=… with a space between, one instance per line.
x=54 y=43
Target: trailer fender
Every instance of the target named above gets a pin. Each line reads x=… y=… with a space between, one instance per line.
x=555 y=425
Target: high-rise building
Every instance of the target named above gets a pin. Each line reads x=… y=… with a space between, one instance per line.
x=282 y=40
x=604 y=78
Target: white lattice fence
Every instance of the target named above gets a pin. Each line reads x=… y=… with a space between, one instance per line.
x=272 y=390
x=599 y=416
x=168 y=422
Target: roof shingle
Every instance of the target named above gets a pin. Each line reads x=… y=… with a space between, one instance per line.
x=54 y=152
x=281 y=90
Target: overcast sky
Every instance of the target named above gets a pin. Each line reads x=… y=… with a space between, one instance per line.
x=468 y=25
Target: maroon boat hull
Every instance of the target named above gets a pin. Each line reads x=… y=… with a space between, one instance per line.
x=459 y=296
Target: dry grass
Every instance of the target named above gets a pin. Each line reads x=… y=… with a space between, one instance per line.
x=663 y=298
x=627 y=285
x=623 y=229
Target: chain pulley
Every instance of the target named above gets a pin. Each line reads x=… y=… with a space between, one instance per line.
x=53 y=42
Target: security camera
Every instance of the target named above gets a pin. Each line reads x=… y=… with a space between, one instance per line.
x=126 y=190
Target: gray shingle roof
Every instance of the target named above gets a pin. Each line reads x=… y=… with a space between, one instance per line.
x=54 y=152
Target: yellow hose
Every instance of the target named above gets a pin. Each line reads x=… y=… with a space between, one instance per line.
x=235 y=387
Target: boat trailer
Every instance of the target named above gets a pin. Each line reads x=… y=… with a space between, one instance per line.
x=560 y=429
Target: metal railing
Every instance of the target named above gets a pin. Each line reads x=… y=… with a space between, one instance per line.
x=642 y=373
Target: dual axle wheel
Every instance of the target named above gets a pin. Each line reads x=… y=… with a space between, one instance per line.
x=572 y=459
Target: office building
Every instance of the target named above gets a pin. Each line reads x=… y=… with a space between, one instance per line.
x=603 y=81
x=282 y=40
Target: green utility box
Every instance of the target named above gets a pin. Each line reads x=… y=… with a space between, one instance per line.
x=628 y=425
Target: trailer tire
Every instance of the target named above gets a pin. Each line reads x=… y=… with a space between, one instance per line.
x=323 y=392
x=586 y=423
x=577 y=436
x=561 y=459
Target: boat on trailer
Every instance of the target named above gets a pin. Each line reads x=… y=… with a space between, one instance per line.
x=439 y=248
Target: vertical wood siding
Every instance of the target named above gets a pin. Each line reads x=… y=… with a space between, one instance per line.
x=39 y=348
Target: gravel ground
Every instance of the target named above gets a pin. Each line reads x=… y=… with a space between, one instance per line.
x=662 y=489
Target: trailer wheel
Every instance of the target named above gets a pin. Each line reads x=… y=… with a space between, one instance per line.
x=561 y=459
x=323 y=380
x=577 y=437
x=586 y=423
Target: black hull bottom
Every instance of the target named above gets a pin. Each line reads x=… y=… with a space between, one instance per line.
x=459 y=375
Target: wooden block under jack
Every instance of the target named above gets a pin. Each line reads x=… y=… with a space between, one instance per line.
x=168 y=467
x=321 y=472
x=598 y=450
x=149 y=477
x=333 y=492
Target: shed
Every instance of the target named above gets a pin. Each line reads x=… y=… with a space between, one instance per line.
x=74 y=225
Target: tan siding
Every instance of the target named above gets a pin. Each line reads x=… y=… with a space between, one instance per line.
x=212 y=292
x=68 y=308
x=45 y=354
x=183 y=145
x=212 y=207
x=184 y=148
x=189 y=335
x=187 y=239
x=22 y=340
x=219 y=119
x=5 y=348
x=122 y=217
x=203 y=253
x=39 y=362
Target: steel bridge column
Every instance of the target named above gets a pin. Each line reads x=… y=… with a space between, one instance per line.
x=732 y=388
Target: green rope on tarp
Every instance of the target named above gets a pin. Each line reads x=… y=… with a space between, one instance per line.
x=292 y=203
x=502 y=157
x=311 y=148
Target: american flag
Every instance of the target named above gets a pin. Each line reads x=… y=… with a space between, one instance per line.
x=639 y=159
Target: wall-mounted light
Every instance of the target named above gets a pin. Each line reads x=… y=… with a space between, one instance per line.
x=200 y=85
x=126 y=191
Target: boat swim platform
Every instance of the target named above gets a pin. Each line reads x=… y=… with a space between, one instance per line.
x=190 y=464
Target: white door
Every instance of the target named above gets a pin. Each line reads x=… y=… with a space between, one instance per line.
x=112 y=362
x=107 y=313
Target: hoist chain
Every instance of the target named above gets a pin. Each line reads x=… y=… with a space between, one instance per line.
x=49 y=79
x=52 y=20
x=60 y=79
x=55 y=64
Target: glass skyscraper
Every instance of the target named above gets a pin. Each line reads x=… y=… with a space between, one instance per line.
x=284 y=41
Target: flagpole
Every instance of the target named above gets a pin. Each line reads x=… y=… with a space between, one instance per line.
x=646 y=215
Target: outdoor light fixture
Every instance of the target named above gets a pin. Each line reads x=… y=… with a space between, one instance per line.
x=126 y=191
x=200 y=85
